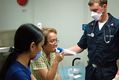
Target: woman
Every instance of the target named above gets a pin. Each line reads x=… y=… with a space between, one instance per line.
x=45 y=68
x=28 y=43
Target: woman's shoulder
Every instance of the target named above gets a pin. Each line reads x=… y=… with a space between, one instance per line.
x=17 y=71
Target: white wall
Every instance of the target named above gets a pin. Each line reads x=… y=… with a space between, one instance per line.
x=66 y=16
x=12 y=15
x=114 y=7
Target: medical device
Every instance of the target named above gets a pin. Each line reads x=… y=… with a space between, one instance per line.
x=66 y=51
x=104 y=32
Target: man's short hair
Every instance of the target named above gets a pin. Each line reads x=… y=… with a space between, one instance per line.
x=101 y=2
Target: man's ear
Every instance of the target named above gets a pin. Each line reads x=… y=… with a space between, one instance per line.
x=105 y=5
x=32 y=46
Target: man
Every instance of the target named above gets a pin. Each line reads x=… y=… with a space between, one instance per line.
x=101 y=38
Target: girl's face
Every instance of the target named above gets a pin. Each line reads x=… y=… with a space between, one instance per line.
x=35 y=49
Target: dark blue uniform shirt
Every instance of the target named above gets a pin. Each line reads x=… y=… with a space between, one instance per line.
x=100 y=52
x=18 y=72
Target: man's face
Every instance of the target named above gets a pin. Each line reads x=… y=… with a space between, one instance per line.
x=97 y=11
x=96 y=8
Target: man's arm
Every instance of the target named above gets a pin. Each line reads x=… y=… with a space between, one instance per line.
x=76 y=49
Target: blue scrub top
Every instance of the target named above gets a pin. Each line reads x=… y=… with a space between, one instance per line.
x=100 y=52
x=17 y=71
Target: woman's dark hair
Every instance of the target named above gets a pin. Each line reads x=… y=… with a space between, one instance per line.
x=24 y=36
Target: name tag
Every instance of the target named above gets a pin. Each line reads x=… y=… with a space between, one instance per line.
x=109 y=35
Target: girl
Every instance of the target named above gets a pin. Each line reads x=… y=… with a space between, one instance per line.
x=28 y=43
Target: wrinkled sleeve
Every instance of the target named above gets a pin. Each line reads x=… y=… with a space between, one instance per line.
x=83 y=41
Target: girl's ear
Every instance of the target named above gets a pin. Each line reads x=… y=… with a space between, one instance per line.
x=32 y=46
